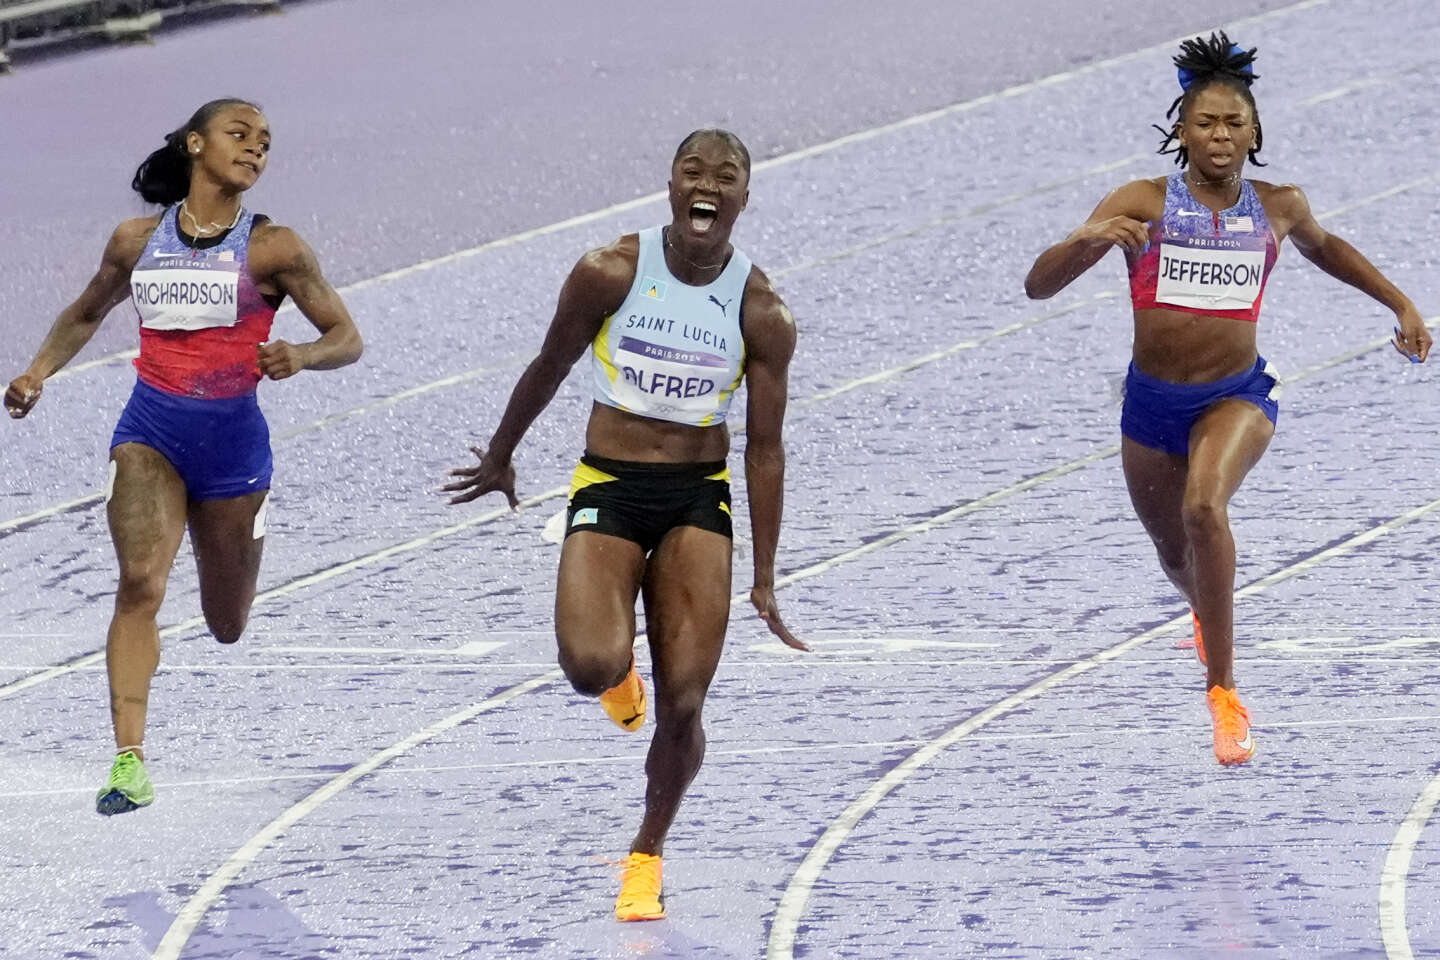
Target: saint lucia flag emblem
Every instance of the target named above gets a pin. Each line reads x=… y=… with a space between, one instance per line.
x=652 y=288
x=582 y=517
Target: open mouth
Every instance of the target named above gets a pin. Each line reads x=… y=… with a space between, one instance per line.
x=247 y=165
x=702 y=216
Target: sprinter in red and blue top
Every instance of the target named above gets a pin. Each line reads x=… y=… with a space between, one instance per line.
x=205 y=276
x=1199 y=400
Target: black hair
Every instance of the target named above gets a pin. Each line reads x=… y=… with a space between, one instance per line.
x=164 y=176
x=1202 y=64
x=726 y=135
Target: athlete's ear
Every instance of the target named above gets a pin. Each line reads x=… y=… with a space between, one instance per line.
x=745 y=200
x=193 y=142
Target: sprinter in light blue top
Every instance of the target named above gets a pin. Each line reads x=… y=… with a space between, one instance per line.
x=673 y=351
x=674 y=318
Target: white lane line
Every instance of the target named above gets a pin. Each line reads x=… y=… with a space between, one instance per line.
x=1396 y=872
x=711 y=755
x=190 y=915
x=196 y=907
x=860 y=136
x=785 y=927
x=1358 y=659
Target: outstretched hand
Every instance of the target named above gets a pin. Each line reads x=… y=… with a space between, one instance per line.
x=22 y=395
x=764 y=600
x=1411 y=338
x=485 y=477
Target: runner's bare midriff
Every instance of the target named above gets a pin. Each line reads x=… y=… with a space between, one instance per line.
x=1184 y=347
x=619 y=435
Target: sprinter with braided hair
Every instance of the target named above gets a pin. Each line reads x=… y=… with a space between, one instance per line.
x=1199 y=400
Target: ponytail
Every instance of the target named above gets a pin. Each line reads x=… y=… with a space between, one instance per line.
x=164 y=176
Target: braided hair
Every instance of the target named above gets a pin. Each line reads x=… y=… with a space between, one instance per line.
x=164 y=176
x=1202 y=64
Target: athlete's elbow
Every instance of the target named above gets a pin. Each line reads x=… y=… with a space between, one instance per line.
x=1035 y=290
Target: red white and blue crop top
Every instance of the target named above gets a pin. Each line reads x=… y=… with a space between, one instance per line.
x=1200 y=261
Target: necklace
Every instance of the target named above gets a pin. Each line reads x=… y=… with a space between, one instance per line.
x=697 y=266
x=211 y=228
x=1196 y=181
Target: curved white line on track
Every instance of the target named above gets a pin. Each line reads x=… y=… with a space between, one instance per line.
x=1396 y=873
x=786 y=925
x=195 y=908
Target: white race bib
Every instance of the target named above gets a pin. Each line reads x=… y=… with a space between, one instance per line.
x=179 y=298
x=1211 y=273
x=660 y=378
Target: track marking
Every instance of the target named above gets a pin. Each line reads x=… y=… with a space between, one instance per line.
x=786 y=925
x=201 y=902
x=189 y=916
x=1396 y=872
x=788 y=663
x=711 y=755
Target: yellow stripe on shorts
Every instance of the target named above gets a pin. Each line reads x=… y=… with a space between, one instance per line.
x=587 y=476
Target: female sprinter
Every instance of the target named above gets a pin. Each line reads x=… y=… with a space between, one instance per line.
x=191 y=448
x=1199 y=401
x=675 y=316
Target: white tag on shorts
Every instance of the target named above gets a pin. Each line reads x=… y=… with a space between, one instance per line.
x=260 y=518
x=110 y=480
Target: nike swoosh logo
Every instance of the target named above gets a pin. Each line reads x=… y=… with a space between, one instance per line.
x=1247 y=744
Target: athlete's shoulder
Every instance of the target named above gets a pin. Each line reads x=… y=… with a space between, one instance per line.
x=128 y=242
x=762 y=306
x=1138 y=199
x=276 y=249
x=1281 y=197
x=609 y=271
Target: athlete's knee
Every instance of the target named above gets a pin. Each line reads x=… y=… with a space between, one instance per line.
x=140 y=591
x=1204 y=516
x=681 y=710
x=1174 y=556
x=590 y=672
x=227 y=626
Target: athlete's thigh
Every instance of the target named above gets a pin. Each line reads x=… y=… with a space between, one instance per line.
x=228 y=537
x=145 y=508
x=595 y=593
x=1225 y=444
x=687 y=608
x=1156 y=481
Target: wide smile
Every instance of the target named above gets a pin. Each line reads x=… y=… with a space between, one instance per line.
x=248 y=165
x=703 y=214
